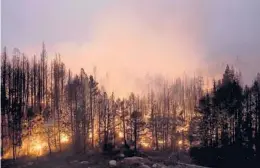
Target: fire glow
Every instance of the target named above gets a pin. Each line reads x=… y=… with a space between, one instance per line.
x=120 y=134
x=145 y=144
x=64 y=138
x=34 y=146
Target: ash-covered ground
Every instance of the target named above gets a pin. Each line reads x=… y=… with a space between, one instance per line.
x=94 y=159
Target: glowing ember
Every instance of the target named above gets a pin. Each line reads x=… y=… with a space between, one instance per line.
x=8 y=155
x=160 y=141
x=144 y=144
x=64 y=138
x=120 y=134
x=38 y=147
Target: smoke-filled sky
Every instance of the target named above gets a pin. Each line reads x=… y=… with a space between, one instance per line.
x=127 y=40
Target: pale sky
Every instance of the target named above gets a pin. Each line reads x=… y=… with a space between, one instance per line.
x=129 y=39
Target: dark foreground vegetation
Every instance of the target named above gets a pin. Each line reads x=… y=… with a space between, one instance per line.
x=230 y=124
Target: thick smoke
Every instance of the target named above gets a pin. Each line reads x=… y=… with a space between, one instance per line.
x=128 y=41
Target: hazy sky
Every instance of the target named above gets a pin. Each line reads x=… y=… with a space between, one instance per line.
x=129 y=39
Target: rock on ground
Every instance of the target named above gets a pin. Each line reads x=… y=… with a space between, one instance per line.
x=74 y=161
x=144 y=166
x=158 y=165
x=121 y=155
x=84 y=162
x=112 y=163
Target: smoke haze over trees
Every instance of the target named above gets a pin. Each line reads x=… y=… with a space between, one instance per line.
x=156 y=76
x=175 y=36
x=45 y=102
x=46 y=108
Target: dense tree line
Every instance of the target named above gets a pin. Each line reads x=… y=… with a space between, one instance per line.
x=41 y=103
x=23 y=93
x=45 y=103
x=229 y=123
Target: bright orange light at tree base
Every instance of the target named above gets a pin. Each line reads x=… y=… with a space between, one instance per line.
x=64 y=138
x=38 y=145
x=180 y=142
x=120 y=134
x=160 y=141
x=145 y=144
x=38 y=149
x=35 y=146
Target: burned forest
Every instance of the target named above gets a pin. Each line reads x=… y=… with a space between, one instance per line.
x=47 y=110
x=130 y=84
